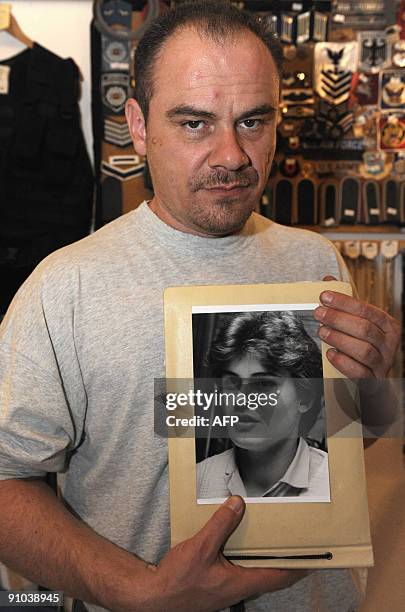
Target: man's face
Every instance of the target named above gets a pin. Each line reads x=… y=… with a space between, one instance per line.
x=211 y=131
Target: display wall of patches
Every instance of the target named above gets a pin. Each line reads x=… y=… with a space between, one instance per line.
x=340 y=157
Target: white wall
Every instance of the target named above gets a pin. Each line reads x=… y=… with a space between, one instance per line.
x=62 y=26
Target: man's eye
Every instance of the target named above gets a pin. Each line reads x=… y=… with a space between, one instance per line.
x=194 y=125
x=250 y=123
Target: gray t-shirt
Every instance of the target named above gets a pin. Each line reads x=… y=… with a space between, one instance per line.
x=79 y=350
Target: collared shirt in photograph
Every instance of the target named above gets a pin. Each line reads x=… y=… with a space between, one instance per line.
x=306 y=477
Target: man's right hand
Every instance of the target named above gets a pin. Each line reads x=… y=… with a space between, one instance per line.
x=195 y=575
x=42 y=540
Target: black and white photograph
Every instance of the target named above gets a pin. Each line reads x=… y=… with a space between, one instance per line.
x=263 y=364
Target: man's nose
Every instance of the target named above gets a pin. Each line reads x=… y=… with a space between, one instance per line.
x=227 y=152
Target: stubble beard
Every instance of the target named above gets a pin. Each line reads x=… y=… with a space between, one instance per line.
x=220 y=216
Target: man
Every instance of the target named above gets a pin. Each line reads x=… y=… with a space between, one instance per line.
x=83 y=339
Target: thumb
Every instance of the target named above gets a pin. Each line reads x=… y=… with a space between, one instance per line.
x=329 y=277
x=221 y=525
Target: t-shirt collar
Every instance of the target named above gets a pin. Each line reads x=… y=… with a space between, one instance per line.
x=178 y=239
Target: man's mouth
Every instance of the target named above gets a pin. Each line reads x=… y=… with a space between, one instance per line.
x=233 y=187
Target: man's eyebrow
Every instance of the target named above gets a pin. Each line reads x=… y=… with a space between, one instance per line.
x=192 y=111
x=263 y=109
x=189 y=111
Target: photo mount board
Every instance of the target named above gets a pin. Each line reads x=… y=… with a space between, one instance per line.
x=289 y=535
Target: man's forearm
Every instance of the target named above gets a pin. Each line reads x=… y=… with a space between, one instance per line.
x=42 y=541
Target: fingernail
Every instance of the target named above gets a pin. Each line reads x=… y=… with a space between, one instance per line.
x=324 y=332
x=327 y=297
x=235 y=504
x=320 y=313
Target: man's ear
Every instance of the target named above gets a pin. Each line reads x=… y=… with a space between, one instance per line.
x=137 y=127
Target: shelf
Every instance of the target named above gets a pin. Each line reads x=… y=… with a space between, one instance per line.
x=359 y=232
x=357 y=229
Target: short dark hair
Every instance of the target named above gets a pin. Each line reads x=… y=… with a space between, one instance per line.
x=217 y=19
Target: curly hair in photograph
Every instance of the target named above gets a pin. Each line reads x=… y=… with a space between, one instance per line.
x=279 y=340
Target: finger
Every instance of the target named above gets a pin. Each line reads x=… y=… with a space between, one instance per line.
x=221 y=525
x=359 y=350
x=351 y=305
x=348 y=366
x=353 y=326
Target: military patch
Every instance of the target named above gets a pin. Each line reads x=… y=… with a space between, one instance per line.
x=372 y=202
x=117 y=133
x=367 y=89
x=335 y=64
x=307 y=199
x=289 y=167
x=360 y=14
x=303 y=28
x=398 y=167
x=123 y=167
x=392 y=132
x=287 y=27
x=329 y=205
x=392 y=89
x=115 y=91
x=398 y=54
x=115 y=54
x=117 y=12
x=376 y=165
x=350 y=197
x=375 y=51
x=391 y=201
x=298 y=29
x=320 y=31
x=337 y=119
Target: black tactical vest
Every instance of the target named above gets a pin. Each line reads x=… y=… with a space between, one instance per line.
x=46 y=179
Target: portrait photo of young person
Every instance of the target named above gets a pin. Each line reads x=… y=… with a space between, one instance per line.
x=266 y=370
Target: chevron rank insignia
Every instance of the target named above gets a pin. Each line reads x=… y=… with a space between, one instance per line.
x=335 y=64
x=123 y=167
x=117 y=133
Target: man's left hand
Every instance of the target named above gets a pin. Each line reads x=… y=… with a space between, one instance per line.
x=364 y=338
